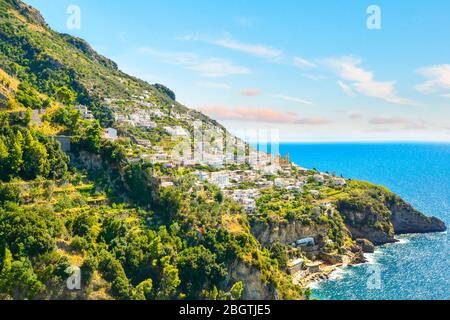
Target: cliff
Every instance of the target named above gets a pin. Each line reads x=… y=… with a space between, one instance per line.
x=287 y=233
x=376 y=214
x=406 y=219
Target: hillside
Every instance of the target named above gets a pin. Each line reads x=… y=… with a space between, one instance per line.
x=106 y=174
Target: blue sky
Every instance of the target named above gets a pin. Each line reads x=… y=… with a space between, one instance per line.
x=312 y=70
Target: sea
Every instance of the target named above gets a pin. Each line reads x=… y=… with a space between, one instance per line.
x=418 y=266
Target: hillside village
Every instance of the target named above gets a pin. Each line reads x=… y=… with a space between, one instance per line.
x=210 y=156
x=240 y=171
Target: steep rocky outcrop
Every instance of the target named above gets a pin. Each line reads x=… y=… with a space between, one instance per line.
x=367 y=224
x=30 y=13
x=163 y=89
x=379 y=218
x=366 y=245
x=286 y=233
x=84 y=47
x=406 y=219
x=255 y=288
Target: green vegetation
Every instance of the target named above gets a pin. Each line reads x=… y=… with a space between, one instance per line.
x=131 y=239
x=370 y=199
x=26 y=154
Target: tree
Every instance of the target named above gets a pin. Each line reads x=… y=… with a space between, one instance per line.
x=139 y=184
x=3 y=157
x=19 y=280
x=144 y=290
x=91 y=140
x=7 y=261
x=66 y=95
x=34 y=158
x=12 y=104
x=28 y=96
x=170 y=281
x=198 y=268
x=57 y=159
x=83 y=224
x=27 y=117
x=9 y=193
x=4 y=122
x=279 y=253
x=113 y=271
x=170 y=203
x=25 y=233
x=237 y=290
x=15 y=159
x=68 y=117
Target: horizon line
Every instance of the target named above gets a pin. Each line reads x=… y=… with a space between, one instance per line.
x=355 y=141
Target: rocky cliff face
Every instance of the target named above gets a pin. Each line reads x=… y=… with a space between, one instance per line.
x=406 y=219
x=254 y=288
x=286 y=233
x=364 y=223
x=30 y=13
x=391 y=215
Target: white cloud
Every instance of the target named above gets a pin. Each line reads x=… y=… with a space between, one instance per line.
x=189 y=37
x=388 y=120
x=213 y=85
x=347 y=68
x=266 y=115
x=303 y=63
x=363 y=81
x=346 y=88
x=438 y=78
x=258 y=50
x=216 y=68
x=210 y=67
x=293 y=99
x=382 y=90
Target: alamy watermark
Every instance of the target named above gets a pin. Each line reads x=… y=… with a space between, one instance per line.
x=74 y=19
x=374 y=19
x=74 y=280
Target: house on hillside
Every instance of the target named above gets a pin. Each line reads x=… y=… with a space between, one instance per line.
x=110 y=134
x=85 y=112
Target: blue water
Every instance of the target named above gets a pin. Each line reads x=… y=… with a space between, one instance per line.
x=419 y=266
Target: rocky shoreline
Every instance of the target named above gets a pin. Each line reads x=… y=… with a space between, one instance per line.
x=327 y=270
x=404 y=220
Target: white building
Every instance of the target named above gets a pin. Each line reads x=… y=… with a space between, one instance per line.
x=271 y=170
x=339 y=182
x=249 y=204
x=85 y=112
x=167 y=184
x=146 y=124
x=203 y=176
x=279 y=183
x=110 y=134
x=319 y=178
x=315 y=193
x=222 y=180
x=177 y=131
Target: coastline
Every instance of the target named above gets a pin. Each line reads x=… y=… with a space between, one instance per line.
x=327 y=271
x=338 y=271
